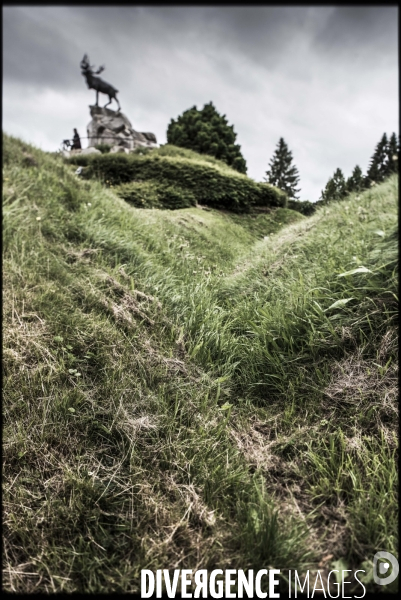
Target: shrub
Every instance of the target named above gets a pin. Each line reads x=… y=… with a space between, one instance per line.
x=146 y=194
x=200 y=181
x=305 y=207
x=104 y=148
x=140 y=194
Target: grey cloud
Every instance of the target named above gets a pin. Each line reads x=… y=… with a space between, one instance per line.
x=34 y=51
x=352 y=29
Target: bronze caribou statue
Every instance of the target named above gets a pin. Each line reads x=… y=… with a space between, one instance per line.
x=95 y=83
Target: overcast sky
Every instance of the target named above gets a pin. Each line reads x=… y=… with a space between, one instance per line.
x=323 y=77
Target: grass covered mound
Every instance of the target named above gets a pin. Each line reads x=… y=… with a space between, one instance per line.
x=171 y=177
x=192 y=387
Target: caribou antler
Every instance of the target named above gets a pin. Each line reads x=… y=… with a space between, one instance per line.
x=85 y=64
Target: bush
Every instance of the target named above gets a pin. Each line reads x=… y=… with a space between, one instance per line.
x=182 y=179
x=146 y=194
x=140 y=194
x=305 y=207
x=104 y=148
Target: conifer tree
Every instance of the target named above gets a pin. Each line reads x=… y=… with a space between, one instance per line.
x=356 y=182
x=282 y=173
x=378 y=163
x=207 y=132
x=393 y=150
x=335 y=188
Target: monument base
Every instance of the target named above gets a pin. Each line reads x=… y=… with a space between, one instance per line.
x=115 y=129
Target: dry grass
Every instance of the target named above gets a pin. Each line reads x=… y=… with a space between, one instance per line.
x=371 y=387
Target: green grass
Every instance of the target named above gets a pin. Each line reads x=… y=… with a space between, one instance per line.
x=192 y=388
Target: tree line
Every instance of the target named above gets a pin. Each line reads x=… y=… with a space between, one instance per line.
x=383 y=163
x=207 y=132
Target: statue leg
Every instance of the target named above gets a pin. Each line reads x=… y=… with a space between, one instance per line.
x=97 y=98
x=116 y=99
x=108 y=102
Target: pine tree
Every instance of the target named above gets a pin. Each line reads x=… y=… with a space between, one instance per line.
x=393 y=150
x=378 y=163
x=335 y=188
x=207 y=132
x=356 y=182
x=329 y=192
x=282 y=173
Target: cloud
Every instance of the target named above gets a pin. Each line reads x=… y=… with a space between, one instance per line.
x=36 y=50
x=368 y=32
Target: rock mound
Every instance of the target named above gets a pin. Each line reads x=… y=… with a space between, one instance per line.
x=114 y=128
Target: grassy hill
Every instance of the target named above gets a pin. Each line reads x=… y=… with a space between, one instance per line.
x=171 y=177
x=192 y=388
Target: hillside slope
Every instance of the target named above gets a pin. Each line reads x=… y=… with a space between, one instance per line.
x=191 y=388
